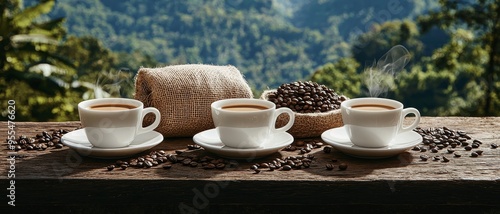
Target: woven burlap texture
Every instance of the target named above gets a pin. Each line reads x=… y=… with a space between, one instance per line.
x=309 y=125
x=183 y=95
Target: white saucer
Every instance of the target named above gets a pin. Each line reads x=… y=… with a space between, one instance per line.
x=211 y=142
x=77 y=140
x=338 y=138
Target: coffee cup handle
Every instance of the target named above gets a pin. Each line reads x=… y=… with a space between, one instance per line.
x=415 y=123
x=291 y=120
x=145 y=111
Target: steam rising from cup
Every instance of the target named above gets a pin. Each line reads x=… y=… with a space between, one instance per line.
x=379 y=78
x=108 y=84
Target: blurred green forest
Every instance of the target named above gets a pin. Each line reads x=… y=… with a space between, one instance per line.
x=57 y=53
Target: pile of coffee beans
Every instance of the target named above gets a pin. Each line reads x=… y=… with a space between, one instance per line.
x=454 y=141
x=40 y=142
x=306 y=97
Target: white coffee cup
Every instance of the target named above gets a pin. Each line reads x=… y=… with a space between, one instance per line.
x=247 y=126
x=115 y=122
x=375 y=122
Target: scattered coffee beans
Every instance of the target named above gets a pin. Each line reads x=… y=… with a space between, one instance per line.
x=40 y=142
x=305 y=146
x=442 y=137
x=306 y=97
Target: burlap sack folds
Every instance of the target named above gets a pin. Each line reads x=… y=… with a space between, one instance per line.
x=183 y=94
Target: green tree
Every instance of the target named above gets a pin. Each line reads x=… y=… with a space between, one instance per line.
x=375 y=43
x=482 y=18
x=342 y=76
x=33 y=72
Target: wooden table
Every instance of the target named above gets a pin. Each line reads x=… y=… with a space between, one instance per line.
x=62 y=180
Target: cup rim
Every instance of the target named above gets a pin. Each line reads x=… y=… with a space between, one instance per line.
x=217 y=105
x=84 y=105
x=398 y=106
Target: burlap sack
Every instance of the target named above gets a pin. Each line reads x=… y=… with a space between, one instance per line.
x=183 y=94
x=309 y=125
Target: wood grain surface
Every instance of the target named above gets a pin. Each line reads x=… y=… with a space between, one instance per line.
x=62 y=178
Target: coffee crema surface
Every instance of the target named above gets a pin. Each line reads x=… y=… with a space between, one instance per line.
x=112 y=107
x=244 y=107
x=372 y=107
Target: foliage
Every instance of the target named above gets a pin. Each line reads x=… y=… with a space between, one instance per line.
x=270 y=41
x=47 y=77
x=454 y=69
x=482 y=21
x=33 y=73
x=341 y=76
x=459 y=78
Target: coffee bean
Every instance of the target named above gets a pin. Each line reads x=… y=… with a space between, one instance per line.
x=436 y=158
x=457 y=155
x=124 y=166
x=329 y=166
x=434 y=150
x=286 y=167
x=58 y=146
x=450 y=150
x=110 y=167
x=474 y=154
x=468 y=148
x=479 y=152
x=494 y=145
x=212 y=166
x=264 y=165
x=416 y=148
x=342 y=166
x=327 y=149
x=140 y=164
x=148 y=164
x=424 y=157
x=445 y=159
x=220 y=166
